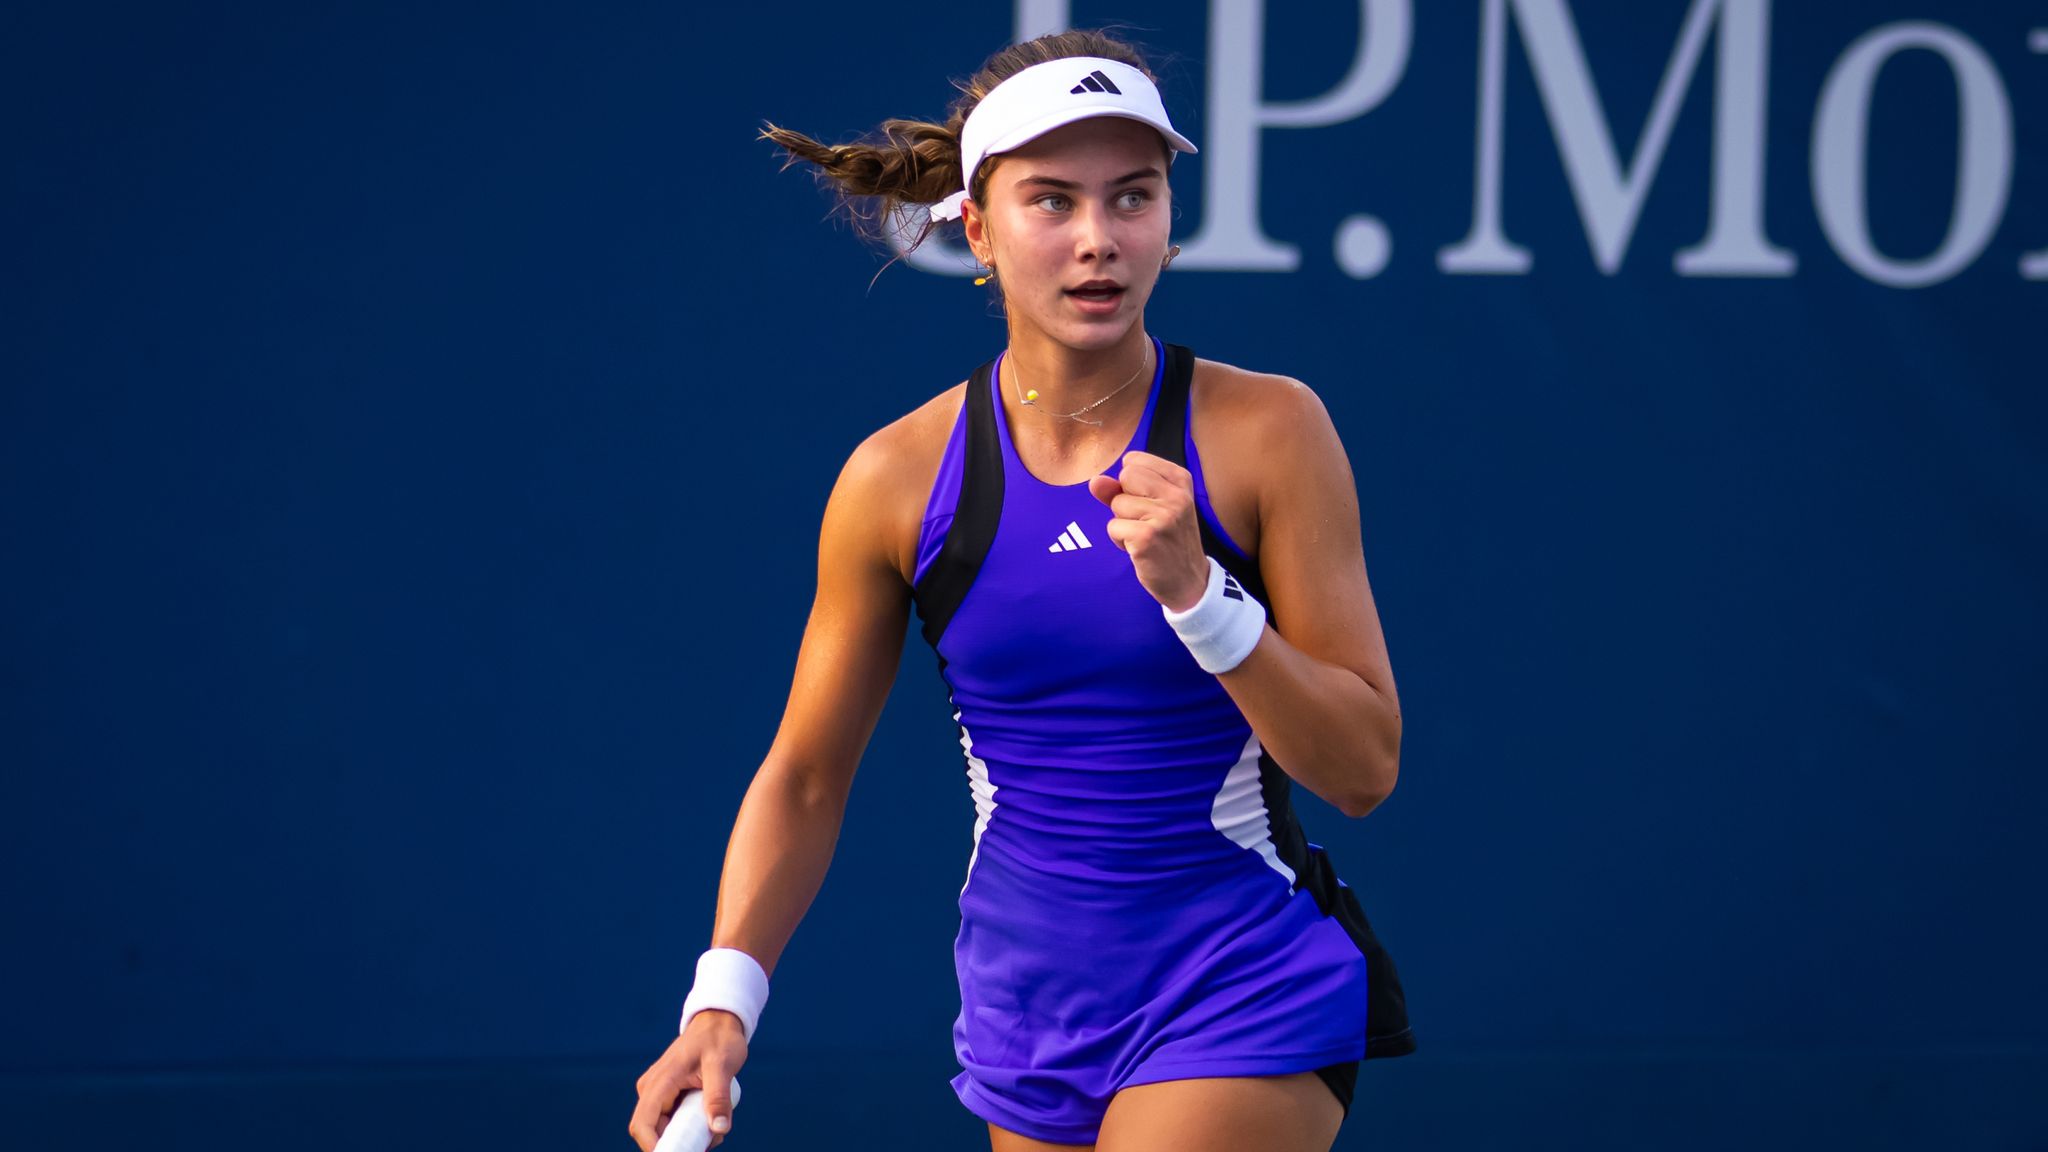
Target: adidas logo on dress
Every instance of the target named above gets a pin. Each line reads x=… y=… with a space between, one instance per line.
x=1071 y=539
x=1096 y=82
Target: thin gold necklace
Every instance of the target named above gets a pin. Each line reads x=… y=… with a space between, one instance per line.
x=1031 y=400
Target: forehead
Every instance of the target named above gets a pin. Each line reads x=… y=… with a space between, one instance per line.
x=1100 y=147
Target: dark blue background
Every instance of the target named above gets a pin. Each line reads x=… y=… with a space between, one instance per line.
x=415 y=425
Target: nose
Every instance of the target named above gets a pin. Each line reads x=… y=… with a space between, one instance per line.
x=1095 y=234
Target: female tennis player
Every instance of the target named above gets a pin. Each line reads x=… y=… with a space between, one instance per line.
x=1136 y=636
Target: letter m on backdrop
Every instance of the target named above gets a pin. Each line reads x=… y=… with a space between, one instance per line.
x=1610 y=196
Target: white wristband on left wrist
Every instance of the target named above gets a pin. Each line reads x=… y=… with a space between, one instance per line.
x=1223 y=627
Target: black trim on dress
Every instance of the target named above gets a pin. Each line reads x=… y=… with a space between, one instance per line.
x=944 y=586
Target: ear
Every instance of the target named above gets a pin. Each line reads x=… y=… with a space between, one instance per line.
x=976 y=226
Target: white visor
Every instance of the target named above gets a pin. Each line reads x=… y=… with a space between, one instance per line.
x=1047 y=96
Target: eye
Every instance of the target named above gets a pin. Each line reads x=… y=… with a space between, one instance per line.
x=1134 y=197
x=1052 y=196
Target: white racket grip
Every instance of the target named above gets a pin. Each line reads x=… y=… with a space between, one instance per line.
x=689 y=1130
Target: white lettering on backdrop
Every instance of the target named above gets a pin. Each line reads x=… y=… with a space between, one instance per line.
x=1841 y=135
x=1608 y=194
x=1610 y=197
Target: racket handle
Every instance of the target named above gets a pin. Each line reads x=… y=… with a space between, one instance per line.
x=689 y=1130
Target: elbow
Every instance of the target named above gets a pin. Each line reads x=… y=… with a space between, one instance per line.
x=1359 y=805
x=1375 y=780
x=1377 y=786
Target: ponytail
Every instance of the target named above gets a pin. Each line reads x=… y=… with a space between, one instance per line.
x=910 y=163
x=906 y=163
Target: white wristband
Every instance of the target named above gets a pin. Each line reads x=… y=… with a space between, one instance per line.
x=730 y=980
x=1223 y=627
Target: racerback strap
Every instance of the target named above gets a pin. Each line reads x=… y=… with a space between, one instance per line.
x=1168 y=440
x=945 y=583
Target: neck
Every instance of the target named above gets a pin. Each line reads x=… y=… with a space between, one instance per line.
x=1068 y=378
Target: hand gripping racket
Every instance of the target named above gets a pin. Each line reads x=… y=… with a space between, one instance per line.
x=689 y=1130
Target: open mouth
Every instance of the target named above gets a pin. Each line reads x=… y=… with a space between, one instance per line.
x=1097 y=295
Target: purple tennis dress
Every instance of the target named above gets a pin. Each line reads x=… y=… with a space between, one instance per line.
x=1140 y=903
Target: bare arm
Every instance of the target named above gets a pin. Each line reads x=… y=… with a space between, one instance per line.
x=788 y=823
x=1319 y=687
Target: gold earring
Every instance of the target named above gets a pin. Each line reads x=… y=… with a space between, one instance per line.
x=1170 y=254
x=985 y=279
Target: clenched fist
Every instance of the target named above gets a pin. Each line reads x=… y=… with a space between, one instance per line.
x=1153 y=500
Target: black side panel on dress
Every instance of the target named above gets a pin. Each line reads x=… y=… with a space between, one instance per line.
x=944 y=586
x=1386 y=1030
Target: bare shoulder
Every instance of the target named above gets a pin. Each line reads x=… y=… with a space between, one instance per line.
x=889 y=476
x=1247 y=425
x=1263 y=404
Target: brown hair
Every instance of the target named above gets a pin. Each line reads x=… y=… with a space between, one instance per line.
x=908 y=162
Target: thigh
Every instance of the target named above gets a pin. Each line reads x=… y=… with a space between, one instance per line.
x=1003 y=1140
x=1292 y=1113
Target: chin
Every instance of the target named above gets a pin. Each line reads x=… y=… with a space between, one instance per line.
x=1101 y=331
x=1105 y=333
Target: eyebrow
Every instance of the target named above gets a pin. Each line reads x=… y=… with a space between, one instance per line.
x=1052 y=182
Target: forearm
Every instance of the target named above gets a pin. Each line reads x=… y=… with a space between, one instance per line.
x=781 y=846
x=1329 y=728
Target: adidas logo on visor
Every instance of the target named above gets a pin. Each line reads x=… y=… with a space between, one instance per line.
x=1096 y=82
